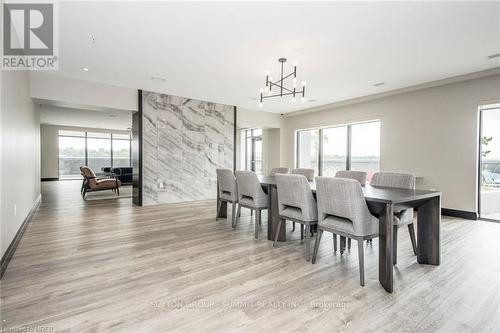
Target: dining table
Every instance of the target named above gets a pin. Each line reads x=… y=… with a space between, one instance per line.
x=382 y=202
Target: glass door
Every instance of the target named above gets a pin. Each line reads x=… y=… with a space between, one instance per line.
x=253 y=150
x=489 y=164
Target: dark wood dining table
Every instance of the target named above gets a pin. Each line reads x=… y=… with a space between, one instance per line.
x=382 y=202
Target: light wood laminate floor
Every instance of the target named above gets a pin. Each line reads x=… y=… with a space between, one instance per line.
x=108 y=266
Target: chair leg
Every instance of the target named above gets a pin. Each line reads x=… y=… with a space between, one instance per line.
x=281 y=221
x=301 y=231
x=251 y=212
x=411 y=230
x=342 y=244
x=334 y=243
x=293 y=226
x=238 y=214
x=395 y=245
x=257 y=222
x=349 y=243
x=233 y=214
x=316 y=245
x=260 y=215
x=361 y=257
x=308 y=238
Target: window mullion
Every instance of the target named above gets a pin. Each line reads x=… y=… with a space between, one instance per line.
x=320 y=152
x=348 y=157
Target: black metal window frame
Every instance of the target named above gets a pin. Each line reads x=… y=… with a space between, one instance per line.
x=249 y=135
x=348 y=127
x=479 y=165
x=85 y=137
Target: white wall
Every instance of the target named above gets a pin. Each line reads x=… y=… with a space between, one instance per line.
x=49 y=139
x=53 y=115
x=431 y=132
x=20 y=154
x=69 y=92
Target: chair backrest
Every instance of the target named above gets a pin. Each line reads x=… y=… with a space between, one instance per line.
x=343 y=198
x=295 y=191
x=393 y=179
x=360 y=176
x=308 y=173
x=227 y=183
x=279 y=170
x=89 y=174
x=249 y=186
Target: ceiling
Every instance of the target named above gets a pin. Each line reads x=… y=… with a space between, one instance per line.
x=221 y=51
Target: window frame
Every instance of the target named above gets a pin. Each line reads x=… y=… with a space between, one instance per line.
x=86 y=137
x=320 y=143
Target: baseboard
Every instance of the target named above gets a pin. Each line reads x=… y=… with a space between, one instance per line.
x=13 y=245
x=49 y=179
x=459 y=213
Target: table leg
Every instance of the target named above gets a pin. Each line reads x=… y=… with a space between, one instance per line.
x=385 y=252
x=428 y=232
x=273 y=218
x=221 y=206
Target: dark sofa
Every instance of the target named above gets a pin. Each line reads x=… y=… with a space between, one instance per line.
x=123 y=174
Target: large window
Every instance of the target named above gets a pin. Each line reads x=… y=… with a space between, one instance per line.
x=71 y=153
x=96 y=150
x=308 y=149
x=346 y=147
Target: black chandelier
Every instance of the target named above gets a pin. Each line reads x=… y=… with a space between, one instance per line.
x=278 y=85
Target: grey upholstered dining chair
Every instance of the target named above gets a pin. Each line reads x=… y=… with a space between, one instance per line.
x=360 y=176
x=404 y=217
x=342 y=210
x=227 y=190
x=279 y=170
x=308 y=173
x=251 y=195
x=296 y=203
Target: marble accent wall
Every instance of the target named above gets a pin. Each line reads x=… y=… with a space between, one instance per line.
x=184 y=141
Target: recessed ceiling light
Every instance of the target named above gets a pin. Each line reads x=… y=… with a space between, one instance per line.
x=158 y=79
x=85 y=69
x=493 y=56
x=378 y=84
x=312 y=100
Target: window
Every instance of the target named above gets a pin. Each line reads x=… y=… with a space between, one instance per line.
x=308 y=149
x=365 y=148
x=121 y=150
x=253 y=150
x=334 y=150
x=71 y=155
x=347 y=147
x=96 y=150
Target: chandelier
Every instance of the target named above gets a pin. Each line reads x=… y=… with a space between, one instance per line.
x=277 y=88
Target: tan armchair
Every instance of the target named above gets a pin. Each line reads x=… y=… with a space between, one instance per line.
x=92 y=184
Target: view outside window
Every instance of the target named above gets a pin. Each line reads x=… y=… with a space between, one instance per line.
x=71 y=154
x=362 y=154
x=490 y=165
x=121 y=150
x=95 y=150
x=98 y=150
x=308 y=143
x=334 y=150
x=365 y=148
